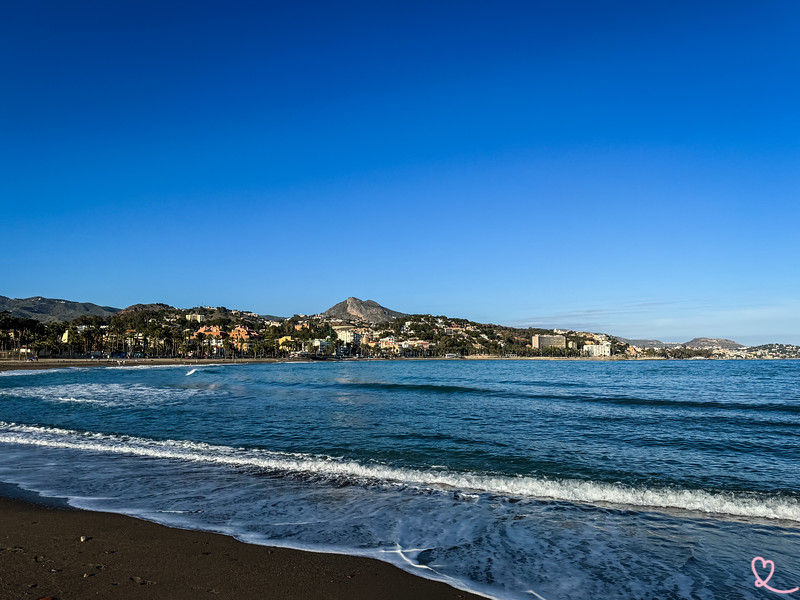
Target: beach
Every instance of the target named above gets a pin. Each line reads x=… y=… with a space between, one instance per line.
x=62 y=363
x=567 y=479
x=42 y=556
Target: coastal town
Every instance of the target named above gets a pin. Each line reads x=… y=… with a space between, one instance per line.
x=351 y=329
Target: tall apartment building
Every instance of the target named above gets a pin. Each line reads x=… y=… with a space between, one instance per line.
x=349 y=337
x=549 y=341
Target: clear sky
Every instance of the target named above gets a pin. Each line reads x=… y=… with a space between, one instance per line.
x=629 y=167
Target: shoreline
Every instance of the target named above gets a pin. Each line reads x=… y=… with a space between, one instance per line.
x=133 y=559
x=63 y=363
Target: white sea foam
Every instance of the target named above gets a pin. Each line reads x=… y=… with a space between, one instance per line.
x=101 y=394
x=80 y=400
x=171 y=366
x=586 y=492
x=22 y=372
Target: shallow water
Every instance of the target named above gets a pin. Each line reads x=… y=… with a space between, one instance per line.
x=562 y=479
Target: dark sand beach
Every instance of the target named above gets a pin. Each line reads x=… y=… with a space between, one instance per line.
x=42 y=556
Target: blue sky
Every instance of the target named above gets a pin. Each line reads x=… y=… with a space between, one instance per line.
x=631 y=167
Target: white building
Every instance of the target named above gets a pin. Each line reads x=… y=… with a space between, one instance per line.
x=595 y=350
x=349 y=337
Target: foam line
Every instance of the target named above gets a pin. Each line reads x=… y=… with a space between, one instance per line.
x=570 y=490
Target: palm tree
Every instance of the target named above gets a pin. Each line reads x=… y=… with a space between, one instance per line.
x=200 y=339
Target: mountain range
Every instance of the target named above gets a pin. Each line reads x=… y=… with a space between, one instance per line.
x=53 y=309
x=701 y=343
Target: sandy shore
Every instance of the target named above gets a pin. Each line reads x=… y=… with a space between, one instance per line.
x=42 y=556
x=56 y=363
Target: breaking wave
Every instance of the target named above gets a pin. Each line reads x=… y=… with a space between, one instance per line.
x=739 y=504
x=109 y=395
x=22 y=372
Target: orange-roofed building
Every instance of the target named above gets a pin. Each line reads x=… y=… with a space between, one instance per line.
x=242 y=336
x=210 y=331
x=212 y=339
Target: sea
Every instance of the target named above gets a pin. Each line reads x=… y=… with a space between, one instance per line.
x=514 y=479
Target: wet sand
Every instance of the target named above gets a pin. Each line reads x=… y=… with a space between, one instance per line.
x=42 y=556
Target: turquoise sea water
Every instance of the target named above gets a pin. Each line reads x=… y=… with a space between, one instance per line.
x=516 y=479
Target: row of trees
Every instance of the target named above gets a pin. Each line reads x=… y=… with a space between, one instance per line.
x=147 y=333
x=17 y=333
